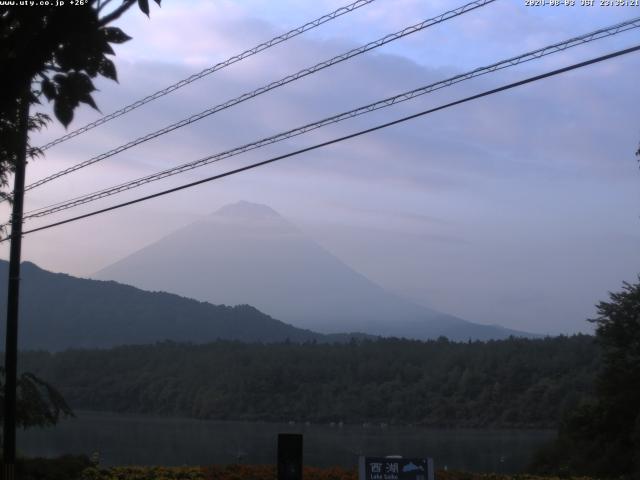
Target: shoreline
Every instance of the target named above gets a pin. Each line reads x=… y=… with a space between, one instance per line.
x=85 y=413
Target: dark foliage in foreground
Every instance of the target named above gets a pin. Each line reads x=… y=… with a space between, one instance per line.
x=53 y=54
x=256 y=472
x=602 y=437
x=58 y=311
x=67 y=467
x=515 y=382
x=38 y=404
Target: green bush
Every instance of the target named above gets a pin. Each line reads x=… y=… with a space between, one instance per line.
x=67 y=467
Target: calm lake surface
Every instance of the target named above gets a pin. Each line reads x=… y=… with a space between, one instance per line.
x=146 y=440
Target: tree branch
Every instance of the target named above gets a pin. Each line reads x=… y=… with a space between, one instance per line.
x=126 y=5
x=102 y=4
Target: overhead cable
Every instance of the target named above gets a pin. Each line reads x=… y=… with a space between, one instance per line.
x=208 y=71
x=271 y=86
x=387 y=102
x=337 y=140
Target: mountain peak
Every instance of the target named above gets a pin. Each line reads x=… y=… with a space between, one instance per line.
x=247 y=210
x=247 y=253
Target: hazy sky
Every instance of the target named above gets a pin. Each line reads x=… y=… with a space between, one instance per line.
x=519 y=209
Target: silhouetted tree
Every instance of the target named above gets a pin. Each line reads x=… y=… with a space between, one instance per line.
x=618 y=386
x=38 y=403
x=53 y=52
x=602 y=437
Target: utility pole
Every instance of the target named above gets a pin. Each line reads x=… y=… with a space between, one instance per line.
x=13 y=298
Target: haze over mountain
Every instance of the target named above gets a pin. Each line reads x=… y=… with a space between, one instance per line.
x=247 y=253
x=58 y=311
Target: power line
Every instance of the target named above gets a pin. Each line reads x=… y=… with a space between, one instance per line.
x=533 y=55
x=207 y=71
x=340 y=139
x=271 y=86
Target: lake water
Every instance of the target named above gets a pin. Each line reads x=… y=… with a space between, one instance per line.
x=145 y=440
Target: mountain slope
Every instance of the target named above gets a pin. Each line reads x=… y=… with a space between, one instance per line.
x=59 y=311
x=247 y=253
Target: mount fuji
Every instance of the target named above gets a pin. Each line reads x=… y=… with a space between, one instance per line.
x=247 y=253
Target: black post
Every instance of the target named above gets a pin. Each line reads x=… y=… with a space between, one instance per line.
x=289 y=456
x=13 y=296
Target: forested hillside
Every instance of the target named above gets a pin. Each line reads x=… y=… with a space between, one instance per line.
x=59 y=311
x=507 y=383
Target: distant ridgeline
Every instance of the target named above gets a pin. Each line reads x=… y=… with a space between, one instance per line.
x=505 y=383
x=58 y=311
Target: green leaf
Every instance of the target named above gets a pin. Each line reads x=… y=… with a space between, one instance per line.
x=108 y=69
x=88 y=99
x=92 y=64
x=74 y=85
x=144 y=6
x=106 y=48
x=38 y=121
x=73 y=88
x=115 y=35
x=69 y=56
x=48 y=89
x=63 y=110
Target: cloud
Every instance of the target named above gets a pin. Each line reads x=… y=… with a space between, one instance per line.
x=465 y=209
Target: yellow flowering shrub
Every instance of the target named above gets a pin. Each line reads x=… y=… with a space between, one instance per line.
x=268 y=472
x=144 y=473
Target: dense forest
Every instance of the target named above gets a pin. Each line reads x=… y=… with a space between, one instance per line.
x=506 y=383
x=602 y=436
